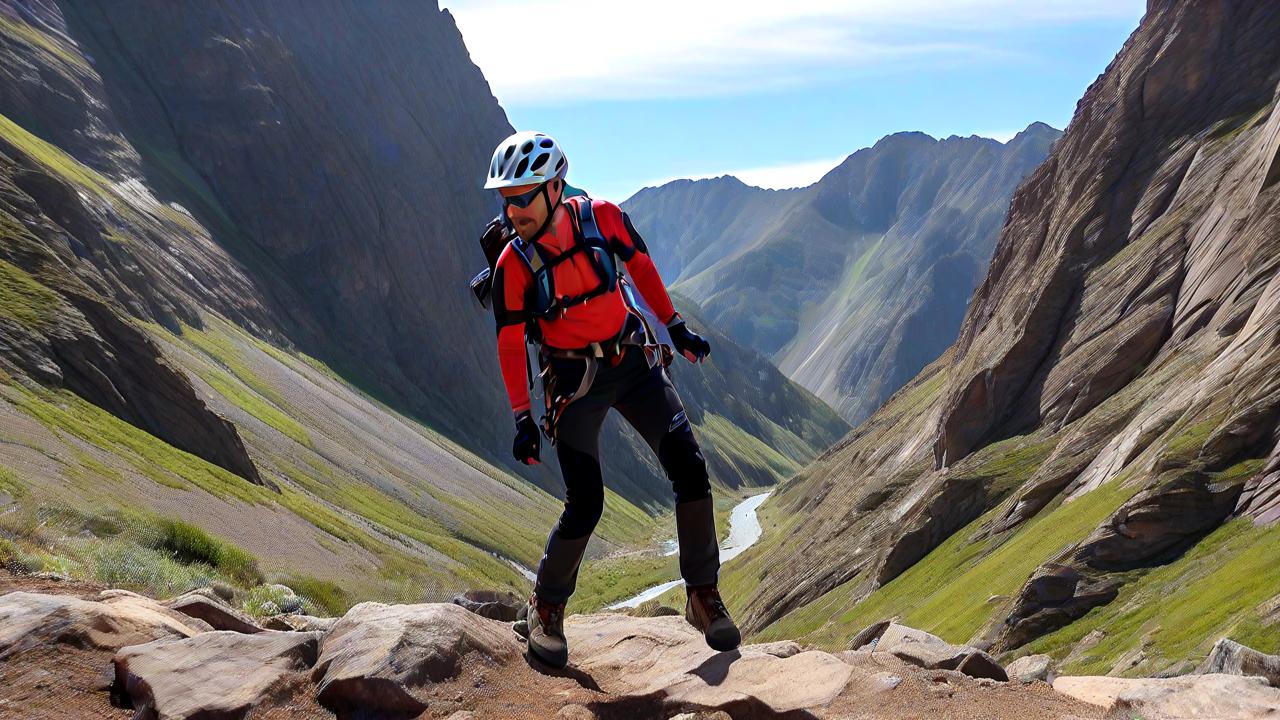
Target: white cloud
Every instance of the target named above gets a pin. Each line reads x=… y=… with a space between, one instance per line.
x=776 y=177
x=549 y=51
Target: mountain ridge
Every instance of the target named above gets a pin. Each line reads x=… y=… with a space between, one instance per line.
x=815 y=261
x=1089 y=470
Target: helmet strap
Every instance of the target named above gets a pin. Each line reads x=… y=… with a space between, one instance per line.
x=551 y=210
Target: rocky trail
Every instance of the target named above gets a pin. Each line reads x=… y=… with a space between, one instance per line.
x=72 y=650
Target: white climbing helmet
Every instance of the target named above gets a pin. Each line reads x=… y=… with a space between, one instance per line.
x=526 y=158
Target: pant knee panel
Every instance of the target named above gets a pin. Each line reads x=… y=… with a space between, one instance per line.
x=684 y=464
x=584 y=493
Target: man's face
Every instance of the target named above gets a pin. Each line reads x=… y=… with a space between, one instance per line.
x=527 y=220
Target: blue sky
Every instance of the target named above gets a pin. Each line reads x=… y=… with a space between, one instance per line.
x=777 y=93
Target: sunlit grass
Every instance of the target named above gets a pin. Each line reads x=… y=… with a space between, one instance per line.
x=1177 y=611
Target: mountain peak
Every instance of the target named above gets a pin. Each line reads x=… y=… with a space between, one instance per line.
x=1036 y=130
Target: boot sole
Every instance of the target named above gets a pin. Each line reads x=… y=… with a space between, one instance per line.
x=719 y=645
x=722 y=645
x=556 y=663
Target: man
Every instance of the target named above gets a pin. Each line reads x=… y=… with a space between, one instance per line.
x=553 y=282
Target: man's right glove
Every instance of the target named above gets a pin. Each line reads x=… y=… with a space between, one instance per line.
x=687 y=342
x=527 y=441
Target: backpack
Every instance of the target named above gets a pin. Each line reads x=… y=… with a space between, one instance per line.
x=543 y=302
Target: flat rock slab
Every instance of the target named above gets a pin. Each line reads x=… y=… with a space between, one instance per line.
x=666 y=656
x=218 y=614
x=1192 y=697
x=778 y=648
x=116 y=619
x=381 y=658
x=932 y=652
x=218 y=675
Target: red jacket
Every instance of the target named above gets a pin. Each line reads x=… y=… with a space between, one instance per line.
x=597 y=319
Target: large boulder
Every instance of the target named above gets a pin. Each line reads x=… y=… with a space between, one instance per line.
x=1231 y=658
x=1192 y=697
x=117 y=618
x=384 y=658
x=211 y=609
x=218 y=675
x=933 y=653
x=665 y=657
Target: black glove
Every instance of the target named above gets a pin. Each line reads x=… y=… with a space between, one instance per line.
x=527 y=441
x=687 y=342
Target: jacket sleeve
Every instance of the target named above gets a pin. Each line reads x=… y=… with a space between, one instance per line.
x=629 y=246
x=509 y=316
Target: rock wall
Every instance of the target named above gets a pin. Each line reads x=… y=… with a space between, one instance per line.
x=1121 y=359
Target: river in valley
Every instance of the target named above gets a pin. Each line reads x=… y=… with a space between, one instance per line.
x=744 y=530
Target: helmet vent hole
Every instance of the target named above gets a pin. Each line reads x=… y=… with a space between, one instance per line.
x=540 y=161
x=559 y=163
x=547 y=142
x=510 y=149
x=524 y=163
x=527 y=148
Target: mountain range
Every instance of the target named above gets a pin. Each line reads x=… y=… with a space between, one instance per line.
x=1092 y=469
x=855 y=283
x=236 y=241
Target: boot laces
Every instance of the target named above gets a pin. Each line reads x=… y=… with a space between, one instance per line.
x=551 y=616
x=711 y=600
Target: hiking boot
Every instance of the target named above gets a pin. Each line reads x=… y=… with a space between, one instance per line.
x=706 y=611
x=542 y=624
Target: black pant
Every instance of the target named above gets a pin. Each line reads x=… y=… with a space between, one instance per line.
x=646 y=398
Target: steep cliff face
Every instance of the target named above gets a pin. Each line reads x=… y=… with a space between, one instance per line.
x=80 y=246
x=334 y=151
x=335 y=147
x=1103 y=434
x=233 y=247
x=118 y=306
x=857 y=282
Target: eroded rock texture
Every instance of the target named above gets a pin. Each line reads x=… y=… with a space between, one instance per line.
x=1126 y=340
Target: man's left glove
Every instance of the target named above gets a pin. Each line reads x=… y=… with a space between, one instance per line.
x=527 y=442
x=687 y=342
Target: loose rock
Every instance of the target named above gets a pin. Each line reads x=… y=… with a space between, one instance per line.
x=380 y=658
x=1194 y=697
x=929 y=651
x=221 y=674
x=869 y=635
x=1231 y=658
x=300 y=623
x=219 y=615
x=1031 y=668
x=492 y=604
x=116 y=619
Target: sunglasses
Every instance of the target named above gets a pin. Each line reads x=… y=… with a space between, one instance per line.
x=523 y=199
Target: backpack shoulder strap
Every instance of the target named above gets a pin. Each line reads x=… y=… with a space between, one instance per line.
x=587 y=220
